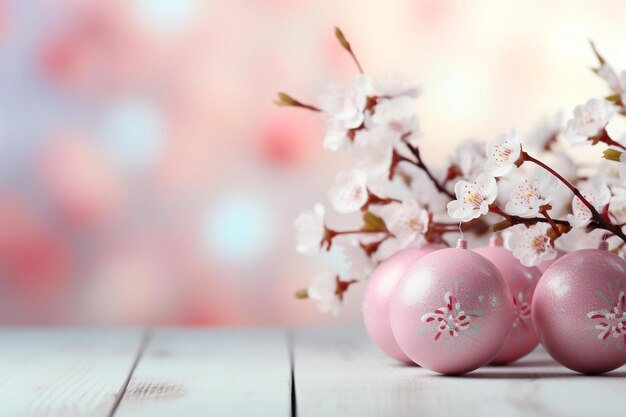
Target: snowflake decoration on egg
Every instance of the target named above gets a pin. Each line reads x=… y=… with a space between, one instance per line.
x=611 y=321
x=450 y=319
x=522 y=312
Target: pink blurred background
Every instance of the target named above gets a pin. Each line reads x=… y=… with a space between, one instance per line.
x=147 y=178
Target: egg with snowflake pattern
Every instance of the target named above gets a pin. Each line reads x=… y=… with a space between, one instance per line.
x=452 y=311
x=579 y=310
x=522 y=279
x=378 y=293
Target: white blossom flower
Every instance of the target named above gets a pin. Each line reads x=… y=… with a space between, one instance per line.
x=530 y=245
x=393 y=85
x=408 y=221
x=343 y=109
x=545 y=132
x=348 y=260
x=473 y=198
x=469 y=158
x=622 y=82
x=503 y=152
x=617 y=206
x=614 y=170
x=388 y=248
x=561 y=163
x=335 y=137
x=616 y=84
x=610 y=171
x=579 y=238
x=607 y=73
x=597 y=193
x=422 y=188
x=323 y=289
x=589 y=120
x=507 y=186
x=396 y=114
x=349 y=193
x=530 y=195
x=373 y=149
x=310 y=230
x=381 y=185
x=560 y=200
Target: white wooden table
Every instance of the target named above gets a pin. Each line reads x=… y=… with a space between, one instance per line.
x=305 y=372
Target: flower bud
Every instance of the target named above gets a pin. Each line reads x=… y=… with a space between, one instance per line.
x=373 y=223
x=498 y=227
x=301 y=294
x=615 y=98
x=285 y=99
x=601 y=59
x=342 y=39
x=612 y=155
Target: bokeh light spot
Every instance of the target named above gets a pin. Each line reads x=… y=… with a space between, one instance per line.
x=239 y=229
x=164 y=16
x=133 y=132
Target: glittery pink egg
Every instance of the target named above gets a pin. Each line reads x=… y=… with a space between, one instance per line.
x=377 y=296
x=522 y=279
x=579 y=310
x=543 y=267
x=452 y=311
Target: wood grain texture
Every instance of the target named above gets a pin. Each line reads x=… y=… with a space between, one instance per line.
x=211 y=373
x=64 y=373
x=339 y=372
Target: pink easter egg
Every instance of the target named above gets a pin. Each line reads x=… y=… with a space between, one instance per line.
x=543 y=267
x=579 y=310
x=378 y=293
x=452 y=311
x=522 y=279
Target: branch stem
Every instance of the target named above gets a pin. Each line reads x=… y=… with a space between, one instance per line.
x=420 y=164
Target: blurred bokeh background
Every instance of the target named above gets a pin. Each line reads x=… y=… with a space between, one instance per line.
x=147 y=178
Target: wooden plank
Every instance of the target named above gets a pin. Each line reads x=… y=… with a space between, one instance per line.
x=211 y=373
x=339 y=372
x=64 y=373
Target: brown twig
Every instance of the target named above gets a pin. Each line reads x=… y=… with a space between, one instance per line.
x=420 y=164
x=602 y=223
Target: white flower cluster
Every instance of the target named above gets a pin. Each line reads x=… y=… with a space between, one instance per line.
x=539 y=195
x=371 y=120
x=541 y=200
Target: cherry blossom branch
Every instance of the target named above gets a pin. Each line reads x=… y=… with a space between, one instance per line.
x=512 y=220
x=372 y=247
x=526 y=157
x=604 y=137
x=420 y=164
x=373 y=199
x=544 y=213
x=346 y=45
x=341 y=287
x=330 y=234
x=602 y=222
x=286 y=100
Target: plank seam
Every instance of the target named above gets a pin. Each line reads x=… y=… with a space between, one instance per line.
x=145 y=338
x=291 y=347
